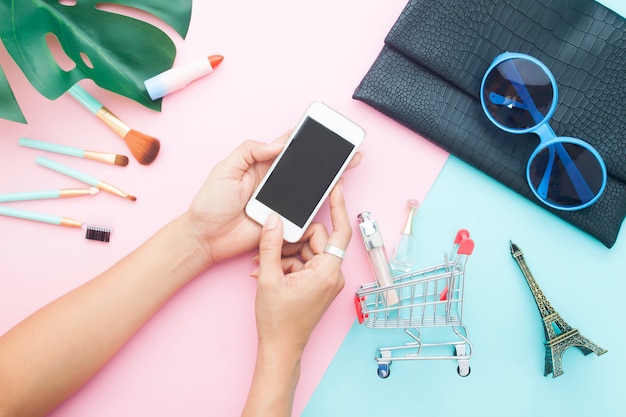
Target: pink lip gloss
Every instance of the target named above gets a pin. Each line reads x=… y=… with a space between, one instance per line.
x=377 y=255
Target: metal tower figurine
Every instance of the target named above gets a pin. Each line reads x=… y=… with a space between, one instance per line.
x=559 y=334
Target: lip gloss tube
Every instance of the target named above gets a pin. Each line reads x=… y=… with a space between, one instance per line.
x=377 y=253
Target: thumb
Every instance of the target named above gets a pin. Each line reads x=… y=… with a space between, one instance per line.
x=270 y=246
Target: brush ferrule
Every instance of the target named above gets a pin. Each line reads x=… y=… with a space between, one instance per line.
x=105 y=186
x=67 y=222
x=77 y=192
x=107 y=158
x=111 y=120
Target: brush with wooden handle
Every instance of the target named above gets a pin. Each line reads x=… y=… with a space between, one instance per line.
x=143 y=147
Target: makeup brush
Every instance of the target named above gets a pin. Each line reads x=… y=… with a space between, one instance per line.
x=46 y=194
x=87 y=179
x=107 y=158
x=101 y=234
x=143 y=147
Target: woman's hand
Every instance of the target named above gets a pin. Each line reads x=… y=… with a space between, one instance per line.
x=296 y=285
x=216 y=215
x=298 y=282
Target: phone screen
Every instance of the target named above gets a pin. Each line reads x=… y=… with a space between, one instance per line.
x=305 y=171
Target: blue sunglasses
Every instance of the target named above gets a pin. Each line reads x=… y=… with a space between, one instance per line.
x=519 y=95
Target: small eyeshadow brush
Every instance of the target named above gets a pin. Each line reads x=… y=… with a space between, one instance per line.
x=107 y=158
x=87 y=179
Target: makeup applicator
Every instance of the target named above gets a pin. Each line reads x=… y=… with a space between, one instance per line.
x=107 y=158
x=143 y=147
x=87 y=179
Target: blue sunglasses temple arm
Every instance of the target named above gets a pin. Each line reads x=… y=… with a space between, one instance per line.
x=579 y=183
x=516 y=80
x=581 y=186
x=544 y=185
x=500 y=100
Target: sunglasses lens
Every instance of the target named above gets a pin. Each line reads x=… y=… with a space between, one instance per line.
x=566 y=175
x=518 y=93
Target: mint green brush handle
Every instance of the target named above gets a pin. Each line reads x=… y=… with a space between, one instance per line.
x=62 y=169
x=85 y=98
x=51 y=147
x=45 y=194
x=39 y=217
x=33 y=195
x=29 y=215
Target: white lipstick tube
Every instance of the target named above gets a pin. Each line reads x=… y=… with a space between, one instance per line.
x=176 y=78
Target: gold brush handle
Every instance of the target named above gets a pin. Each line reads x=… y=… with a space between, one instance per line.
x=77 y=192
x=108 y=158
x=67 y=222
x=111 y=120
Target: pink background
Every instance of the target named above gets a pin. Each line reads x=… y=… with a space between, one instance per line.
x=196 y=356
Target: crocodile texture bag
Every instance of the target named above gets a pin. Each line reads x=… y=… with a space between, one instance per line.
x=429 y=72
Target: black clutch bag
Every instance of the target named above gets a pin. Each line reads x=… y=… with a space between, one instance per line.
x=429 y=72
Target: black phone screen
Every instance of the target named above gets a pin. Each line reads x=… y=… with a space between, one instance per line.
x=305 y=171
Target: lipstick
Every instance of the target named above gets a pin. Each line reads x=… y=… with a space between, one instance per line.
x=178 y=77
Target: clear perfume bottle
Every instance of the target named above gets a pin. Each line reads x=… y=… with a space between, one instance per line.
x=403 y=259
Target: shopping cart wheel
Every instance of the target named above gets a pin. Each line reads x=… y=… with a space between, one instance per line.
x=463 y=371
x=384 y=370
x=463 y=368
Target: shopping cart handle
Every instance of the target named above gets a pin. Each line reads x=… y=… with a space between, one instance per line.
x=466 y=245
x=359 y=309
x=460 y=235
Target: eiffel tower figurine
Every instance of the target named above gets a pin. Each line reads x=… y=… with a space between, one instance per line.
x=559 y=334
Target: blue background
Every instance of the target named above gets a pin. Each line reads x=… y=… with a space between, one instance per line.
x=582 y=279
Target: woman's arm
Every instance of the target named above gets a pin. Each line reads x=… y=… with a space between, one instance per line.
x=49 y=355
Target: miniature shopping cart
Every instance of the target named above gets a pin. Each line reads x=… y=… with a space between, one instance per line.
x=431 y=297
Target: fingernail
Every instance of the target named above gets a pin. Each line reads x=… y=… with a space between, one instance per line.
x=255 y=273
x=271 y=222
x=255 y=259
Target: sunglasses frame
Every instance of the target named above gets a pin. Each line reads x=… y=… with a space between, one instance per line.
x=547 y=138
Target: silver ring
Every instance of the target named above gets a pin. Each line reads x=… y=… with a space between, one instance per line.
x=335 y=251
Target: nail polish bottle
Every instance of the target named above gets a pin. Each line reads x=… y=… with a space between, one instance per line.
x=379 y=261
x=403 y=260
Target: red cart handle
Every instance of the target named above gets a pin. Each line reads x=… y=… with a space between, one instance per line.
x=466 y=245
x=359 y=310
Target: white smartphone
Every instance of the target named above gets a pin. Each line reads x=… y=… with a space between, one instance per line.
x=315 y=155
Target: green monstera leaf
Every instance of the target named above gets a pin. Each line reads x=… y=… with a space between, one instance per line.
x=9 y=108
x=116 y=51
